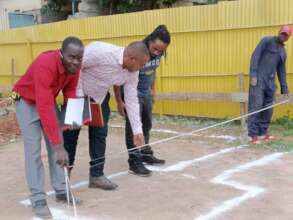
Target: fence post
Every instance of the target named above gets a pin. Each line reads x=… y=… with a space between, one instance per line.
x=12 y=79
x=242 y=104
x=30 y=49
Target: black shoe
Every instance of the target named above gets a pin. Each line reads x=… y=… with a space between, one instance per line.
x=63 y=199
x=150 y=159
x=140 y=170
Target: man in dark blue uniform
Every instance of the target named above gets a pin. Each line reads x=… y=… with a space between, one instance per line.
x=157 y=43
x=268 y=58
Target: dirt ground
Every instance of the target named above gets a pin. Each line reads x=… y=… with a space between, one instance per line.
x=9 y=130
x=213 y=175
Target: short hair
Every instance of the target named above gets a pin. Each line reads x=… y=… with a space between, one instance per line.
x=138 y=47
x=71 y=40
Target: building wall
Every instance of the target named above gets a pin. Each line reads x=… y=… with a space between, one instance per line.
x=22 y=5
x=210 y=46
x=4 y=23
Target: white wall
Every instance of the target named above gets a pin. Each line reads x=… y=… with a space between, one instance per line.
x=22 y=5
x=4 y=23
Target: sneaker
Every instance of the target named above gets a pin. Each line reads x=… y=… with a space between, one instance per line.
x=150 y=159
x=254 y=140
x=101 y=182
x=268 y=137
x=62 y=198
x=140 y=170
x=41 y=209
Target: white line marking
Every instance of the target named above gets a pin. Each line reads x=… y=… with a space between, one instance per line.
x=250 y=191
x=176 y=167
x=27 y=202
x=60 y=214
x=189 y=176
x=229 y=138
x=154 y=129
x=165 y=131
x=184 y=164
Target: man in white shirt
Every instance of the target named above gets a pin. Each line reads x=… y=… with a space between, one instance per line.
x=105 y=65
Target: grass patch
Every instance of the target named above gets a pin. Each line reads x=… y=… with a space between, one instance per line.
x=278 y=145
x=283 y=126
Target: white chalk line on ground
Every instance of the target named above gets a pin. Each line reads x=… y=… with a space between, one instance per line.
x=60 y=214
x=250 y=191
x=187 y=163
x=200 y=130
x=186 y=175
x=212 y=126
x=229 y=138
x=175 y=167
x=27 y=202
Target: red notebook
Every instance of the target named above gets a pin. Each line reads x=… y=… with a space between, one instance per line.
x=96 y=115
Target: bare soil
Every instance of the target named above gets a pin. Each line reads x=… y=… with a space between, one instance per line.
x=186 y=193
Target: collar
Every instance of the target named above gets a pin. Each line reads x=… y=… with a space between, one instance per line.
x=61 y=67
x=156 y=57
x=279 y=43
x=120 y=56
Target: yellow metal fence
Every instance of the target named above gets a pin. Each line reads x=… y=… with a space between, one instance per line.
x=210 y=46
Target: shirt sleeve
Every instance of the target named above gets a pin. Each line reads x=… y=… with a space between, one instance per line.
x=45 y=102
x=281 y=71
x=255 y=58
x=132 y=104
x=69 y=91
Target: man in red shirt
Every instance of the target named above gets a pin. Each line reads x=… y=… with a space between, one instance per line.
x=36 y=112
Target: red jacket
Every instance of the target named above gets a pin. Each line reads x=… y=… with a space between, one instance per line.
x=41 y=84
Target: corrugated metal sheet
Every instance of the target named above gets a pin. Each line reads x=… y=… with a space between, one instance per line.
x=210 y=46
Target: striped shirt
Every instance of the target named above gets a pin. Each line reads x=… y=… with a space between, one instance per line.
x=102 y=69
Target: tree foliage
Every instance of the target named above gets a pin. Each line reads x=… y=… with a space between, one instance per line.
x=124 y=6
x=52 y=7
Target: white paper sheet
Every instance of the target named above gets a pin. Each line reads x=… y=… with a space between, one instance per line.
x=74 y=111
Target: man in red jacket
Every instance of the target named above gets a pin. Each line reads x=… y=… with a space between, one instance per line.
x=36 y=112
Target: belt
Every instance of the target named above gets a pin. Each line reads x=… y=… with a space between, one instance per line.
x=15 y=96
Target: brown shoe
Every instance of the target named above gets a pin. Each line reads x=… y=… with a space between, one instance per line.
x=101 y=182
x=62 y=198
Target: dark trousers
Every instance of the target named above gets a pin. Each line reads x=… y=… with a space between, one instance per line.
x=260 y=96
x=145 y=107
x=97 y=142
